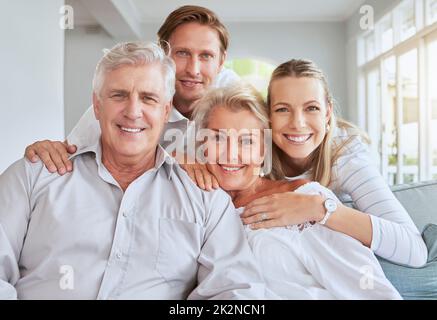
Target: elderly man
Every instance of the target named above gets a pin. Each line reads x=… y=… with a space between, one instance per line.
x=198 y=42
x=127 y=222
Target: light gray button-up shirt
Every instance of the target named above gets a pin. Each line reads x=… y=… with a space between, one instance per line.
x=79 y=236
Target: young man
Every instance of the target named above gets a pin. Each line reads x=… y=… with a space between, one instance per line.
x=198 y=44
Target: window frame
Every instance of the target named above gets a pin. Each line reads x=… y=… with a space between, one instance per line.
x=424 y=35
x=430 y=38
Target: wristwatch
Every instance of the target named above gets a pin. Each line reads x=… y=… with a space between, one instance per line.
x=330 y=206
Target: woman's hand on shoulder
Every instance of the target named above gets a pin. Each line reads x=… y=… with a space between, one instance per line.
x=200 y=174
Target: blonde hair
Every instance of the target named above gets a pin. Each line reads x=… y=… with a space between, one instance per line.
x=237 y=97
x=323 y=158
x=187 y=14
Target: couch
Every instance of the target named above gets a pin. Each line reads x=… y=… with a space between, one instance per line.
x=420 y=200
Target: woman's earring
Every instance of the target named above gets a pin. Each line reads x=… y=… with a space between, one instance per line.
x=328 y=127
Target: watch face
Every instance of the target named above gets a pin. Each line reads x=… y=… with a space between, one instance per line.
x=330 y=205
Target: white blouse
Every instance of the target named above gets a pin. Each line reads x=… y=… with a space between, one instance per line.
x=354 y=176
x=317 y=262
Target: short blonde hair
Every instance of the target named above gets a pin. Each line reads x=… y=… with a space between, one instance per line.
x=200 y=15
x=235 y=97
x=324 y=157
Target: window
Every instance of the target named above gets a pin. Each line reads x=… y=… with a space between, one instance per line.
x=432 y=11
x=409 y=126
x=374 y=109
x=256 y=72
x=387 y=35
x=399 y=93
x=432 y=84
x=390 y=146
x=370 y=46
x=407 y=17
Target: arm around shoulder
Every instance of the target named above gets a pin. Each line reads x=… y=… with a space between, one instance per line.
x=86 y=131
x=394 y=235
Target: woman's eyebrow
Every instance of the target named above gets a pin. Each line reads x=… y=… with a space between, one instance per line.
x=282 y=104
x=311 y=101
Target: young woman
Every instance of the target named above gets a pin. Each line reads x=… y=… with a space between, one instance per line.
x=312 y=144
x=307 y=261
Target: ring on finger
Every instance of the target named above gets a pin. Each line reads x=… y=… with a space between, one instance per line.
x=264 y=216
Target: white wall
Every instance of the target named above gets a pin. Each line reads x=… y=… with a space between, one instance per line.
x=322 y=42
x=83 y=49
x=31 y=79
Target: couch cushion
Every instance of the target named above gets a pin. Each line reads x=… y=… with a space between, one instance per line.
x=419 y=199
x=416 y=283
x=412 y=283
x=430 y=237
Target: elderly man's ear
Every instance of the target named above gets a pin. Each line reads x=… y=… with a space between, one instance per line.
x=96 y=106
x=168 y=107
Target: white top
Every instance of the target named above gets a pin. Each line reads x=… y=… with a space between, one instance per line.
x=79 y=236
x=354 y=176
x=87 y=130
x=318 y=263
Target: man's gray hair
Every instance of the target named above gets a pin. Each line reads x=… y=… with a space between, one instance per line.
x=135 y=53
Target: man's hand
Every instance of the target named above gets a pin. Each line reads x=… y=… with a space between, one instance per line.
x=54 y=155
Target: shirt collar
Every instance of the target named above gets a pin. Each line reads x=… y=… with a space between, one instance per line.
x=176 y=116
x=162 y=158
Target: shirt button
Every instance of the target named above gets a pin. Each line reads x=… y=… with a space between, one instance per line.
x=118 y=255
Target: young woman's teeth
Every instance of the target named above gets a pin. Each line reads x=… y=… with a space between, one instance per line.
x=131 y=130
x=298 y=139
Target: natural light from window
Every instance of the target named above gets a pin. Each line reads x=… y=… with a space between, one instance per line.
x=408 y=20
x=398 y=81
x=410 y=116
x=256 y=72
x=432 y=58
x=432 y=5
x=390 y=117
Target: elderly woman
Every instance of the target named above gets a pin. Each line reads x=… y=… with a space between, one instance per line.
x=308 y=261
